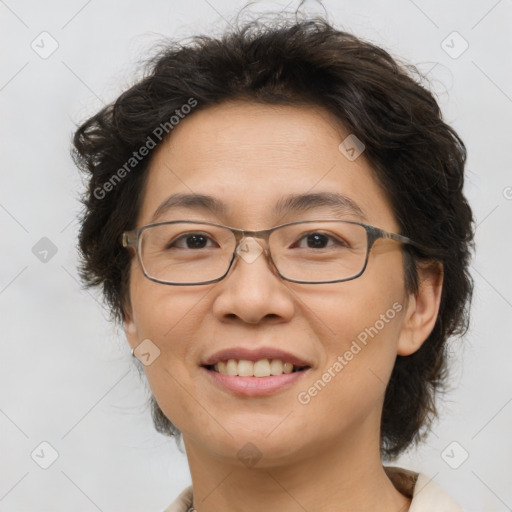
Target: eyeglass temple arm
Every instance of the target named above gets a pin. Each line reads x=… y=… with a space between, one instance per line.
x=129 y=239
x=407 y=241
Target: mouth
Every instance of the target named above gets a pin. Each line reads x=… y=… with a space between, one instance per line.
x=254 y=372
x=261 y=368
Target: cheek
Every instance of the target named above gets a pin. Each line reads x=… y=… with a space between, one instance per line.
x=374 y=300
x=359 y=323
x=171 y=317
x=347 y=392
x=162 y=313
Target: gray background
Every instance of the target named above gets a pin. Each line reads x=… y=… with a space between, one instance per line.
x=66 y=373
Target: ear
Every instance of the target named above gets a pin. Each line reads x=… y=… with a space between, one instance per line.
x=422 y=309
x=130 y=327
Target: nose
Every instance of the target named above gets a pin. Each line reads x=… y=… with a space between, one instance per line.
x=253 y=290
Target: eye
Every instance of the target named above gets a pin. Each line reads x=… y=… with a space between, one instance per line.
x=191 y=241
x=318 y=240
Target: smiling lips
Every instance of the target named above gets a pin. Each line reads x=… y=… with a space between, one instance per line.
x=254 y=372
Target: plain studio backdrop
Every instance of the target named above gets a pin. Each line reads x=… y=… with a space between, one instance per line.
x=67 y=379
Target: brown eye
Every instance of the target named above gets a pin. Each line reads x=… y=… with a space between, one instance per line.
x=317 y=240
x=190 y=241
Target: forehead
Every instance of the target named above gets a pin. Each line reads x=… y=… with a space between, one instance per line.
x=252 y=156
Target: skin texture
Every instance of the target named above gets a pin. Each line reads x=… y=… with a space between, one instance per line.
x=320 y=456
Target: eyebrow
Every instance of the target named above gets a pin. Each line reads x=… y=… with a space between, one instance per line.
x=339 y=203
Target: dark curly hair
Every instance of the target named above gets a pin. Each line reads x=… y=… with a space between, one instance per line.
x=416 y=157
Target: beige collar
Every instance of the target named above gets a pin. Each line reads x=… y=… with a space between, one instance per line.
x=425 y=494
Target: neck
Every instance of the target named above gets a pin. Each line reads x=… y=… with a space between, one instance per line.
x=350 y=478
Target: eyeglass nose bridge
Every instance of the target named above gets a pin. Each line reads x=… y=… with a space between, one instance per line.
x=249 y=249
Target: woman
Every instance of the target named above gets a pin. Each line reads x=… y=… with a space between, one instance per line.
x=277 y=219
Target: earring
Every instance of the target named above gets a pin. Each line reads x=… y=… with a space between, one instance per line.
x=132 y=352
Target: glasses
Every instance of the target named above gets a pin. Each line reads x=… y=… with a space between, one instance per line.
x=187 y=252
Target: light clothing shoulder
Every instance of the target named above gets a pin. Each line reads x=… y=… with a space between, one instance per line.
x=430 y=497
x=427 y=496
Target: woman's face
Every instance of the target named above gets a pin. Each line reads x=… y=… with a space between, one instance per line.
x=250 y=157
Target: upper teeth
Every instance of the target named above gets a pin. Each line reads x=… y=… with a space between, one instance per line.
x=261 y=368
